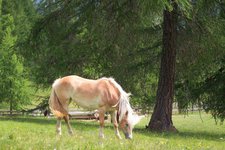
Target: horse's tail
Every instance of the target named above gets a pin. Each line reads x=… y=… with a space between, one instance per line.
x=55 y=105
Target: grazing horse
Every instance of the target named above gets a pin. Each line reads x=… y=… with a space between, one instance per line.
x=104 y=94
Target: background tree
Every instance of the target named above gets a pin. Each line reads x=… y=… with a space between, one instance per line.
x=161 y=119
x=14 y=84
x=12 y=81
x=95 y=39
x=201 y=50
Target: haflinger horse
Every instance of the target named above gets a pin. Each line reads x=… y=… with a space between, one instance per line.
x=104 y=94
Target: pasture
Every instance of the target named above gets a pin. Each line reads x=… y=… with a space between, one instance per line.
x=26 y=133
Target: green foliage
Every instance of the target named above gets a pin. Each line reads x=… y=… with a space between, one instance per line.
x=200 y=48
x=23 y=13
x=94 y=39
x=11 y=69
x=14 y=86
x=212 y=91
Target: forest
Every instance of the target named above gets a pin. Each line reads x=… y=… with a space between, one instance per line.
x=162 y=51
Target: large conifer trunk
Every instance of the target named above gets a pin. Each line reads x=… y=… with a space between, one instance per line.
x=161 y=119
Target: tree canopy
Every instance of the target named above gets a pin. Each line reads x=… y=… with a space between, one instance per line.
x=42 y=40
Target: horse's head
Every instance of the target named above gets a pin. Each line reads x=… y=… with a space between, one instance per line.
x=128 y=122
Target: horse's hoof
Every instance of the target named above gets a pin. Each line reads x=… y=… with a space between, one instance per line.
x=101 y=136
x=71 y=134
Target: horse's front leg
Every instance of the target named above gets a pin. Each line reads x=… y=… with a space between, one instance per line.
x=115 y=124
x=101 y=121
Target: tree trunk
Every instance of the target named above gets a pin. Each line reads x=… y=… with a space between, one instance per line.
x=10 y=107
x=161 y=119
x=11 y=99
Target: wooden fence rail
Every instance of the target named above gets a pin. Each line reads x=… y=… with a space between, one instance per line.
x=7 y=113
x=75 y=114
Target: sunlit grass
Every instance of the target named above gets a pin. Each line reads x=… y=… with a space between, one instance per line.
x=39 y=133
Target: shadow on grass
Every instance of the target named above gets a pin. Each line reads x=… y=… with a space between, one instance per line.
x=37 y=120
x=51 y=121
x=183 y=134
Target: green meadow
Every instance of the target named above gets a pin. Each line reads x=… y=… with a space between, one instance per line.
x=28 y=133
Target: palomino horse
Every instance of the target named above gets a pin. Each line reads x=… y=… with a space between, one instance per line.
x=104 y=94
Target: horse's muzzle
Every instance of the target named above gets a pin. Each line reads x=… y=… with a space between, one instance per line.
x=127 y=136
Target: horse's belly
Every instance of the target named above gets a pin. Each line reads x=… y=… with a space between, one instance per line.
x=88 y=103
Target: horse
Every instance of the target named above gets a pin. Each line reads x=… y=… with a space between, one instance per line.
x=103 y=94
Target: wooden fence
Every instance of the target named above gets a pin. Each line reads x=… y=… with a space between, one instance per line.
x=13 y=113
x=74 y=114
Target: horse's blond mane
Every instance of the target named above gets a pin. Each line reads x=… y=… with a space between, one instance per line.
x=124 y=104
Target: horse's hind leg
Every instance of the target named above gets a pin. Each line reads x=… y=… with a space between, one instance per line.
x=58 y=126
x=66 y=118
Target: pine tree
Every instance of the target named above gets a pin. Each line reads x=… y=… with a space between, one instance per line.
x=161 y=119
x=12 y=82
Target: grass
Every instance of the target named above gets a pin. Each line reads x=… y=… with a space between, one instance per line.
x=24 y=133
